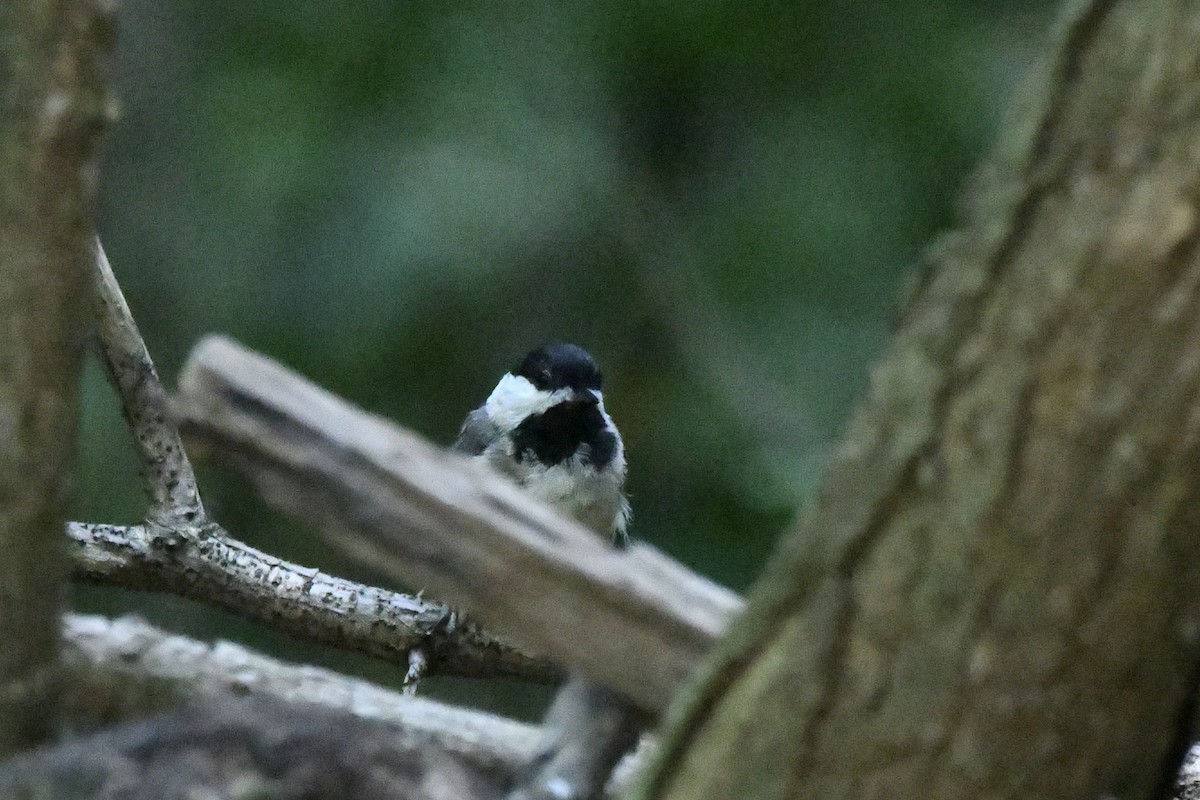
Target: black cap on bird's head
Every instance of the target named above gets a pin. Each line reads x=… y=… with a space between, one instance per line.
x=565 y=416
x=560 y=366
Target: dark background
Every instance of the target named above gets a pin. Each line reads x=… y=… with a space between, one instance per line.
x=721 y=201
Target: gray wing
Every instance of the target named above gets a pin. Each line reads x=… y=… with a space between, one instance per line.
x=477 y=433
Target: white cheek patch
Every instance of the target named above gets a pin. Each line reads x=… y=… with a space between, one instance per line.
x=515 y=398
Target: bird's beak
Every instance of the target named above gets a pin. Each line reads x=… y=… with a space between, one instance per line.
x=583 y=398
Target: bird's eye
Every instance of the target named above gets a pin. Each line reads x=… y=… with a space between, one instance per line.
x=545 y=376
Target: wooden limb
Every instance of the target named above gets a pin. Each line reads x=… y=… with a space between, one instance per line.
x=124 y=667
x=53 y=112
x=168 y=473
x=119 y=669
x=633 y=620
x=585 y=734
x=206 y=565
x=226 y=747
x=994 y=593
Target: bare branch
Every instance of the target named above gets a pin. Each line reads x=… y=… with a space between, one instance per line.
x=209 y=566
x=130 y=668
x=227 y=747
x=169 y=477
x=128 y=657
x=53 y=112
x=181 y=552
x=295 y=731
x=418 y=668
x=634 y=620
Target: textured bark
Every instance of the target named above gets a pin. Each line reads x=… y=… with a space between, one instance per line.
x=221 y=747
x=205 y=564
x=124 y=669
x=119 y=669
x=52 y=108
x=175 y=499
x=996 y=593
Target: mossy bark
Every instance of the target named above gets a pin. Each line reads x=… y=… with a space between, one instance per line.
x=996 y=593
x=52 y=109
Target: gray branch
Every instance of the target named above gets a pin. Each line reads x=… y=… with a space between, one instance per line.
x=209 y=566
x=131 y=668
x=252 y=726
x=127 y=660
x=54 y=103
x=178 y=550
x=633 y=620
x=227 y=747
x=169 y=477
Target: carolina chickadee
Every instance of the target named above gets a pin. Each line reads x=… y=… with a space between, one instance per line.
x=544 y=426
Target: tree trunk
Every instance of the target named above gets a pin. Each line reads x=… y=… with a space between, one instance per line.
x=997 y=591
x=52 y=107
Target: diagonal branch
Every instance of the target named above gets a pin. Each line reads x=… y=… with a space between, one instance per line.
x=169 y=477
x=54 y=104
x=153 y=669
x=251 y=726
x=634 y=620
x=120 y=669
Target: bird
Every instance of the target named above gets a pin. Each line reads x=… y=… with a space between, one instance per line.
x=544 y=426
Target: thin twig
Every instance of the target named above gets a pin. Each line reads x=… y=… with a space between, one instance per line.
x=418 y=668
x=169 y=477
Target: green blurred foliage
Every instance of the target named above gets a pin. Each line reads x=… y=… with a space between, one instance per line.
x=720 y=200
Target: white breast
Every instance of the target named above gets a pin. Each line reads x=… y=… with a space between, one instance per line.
x=595 y=498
